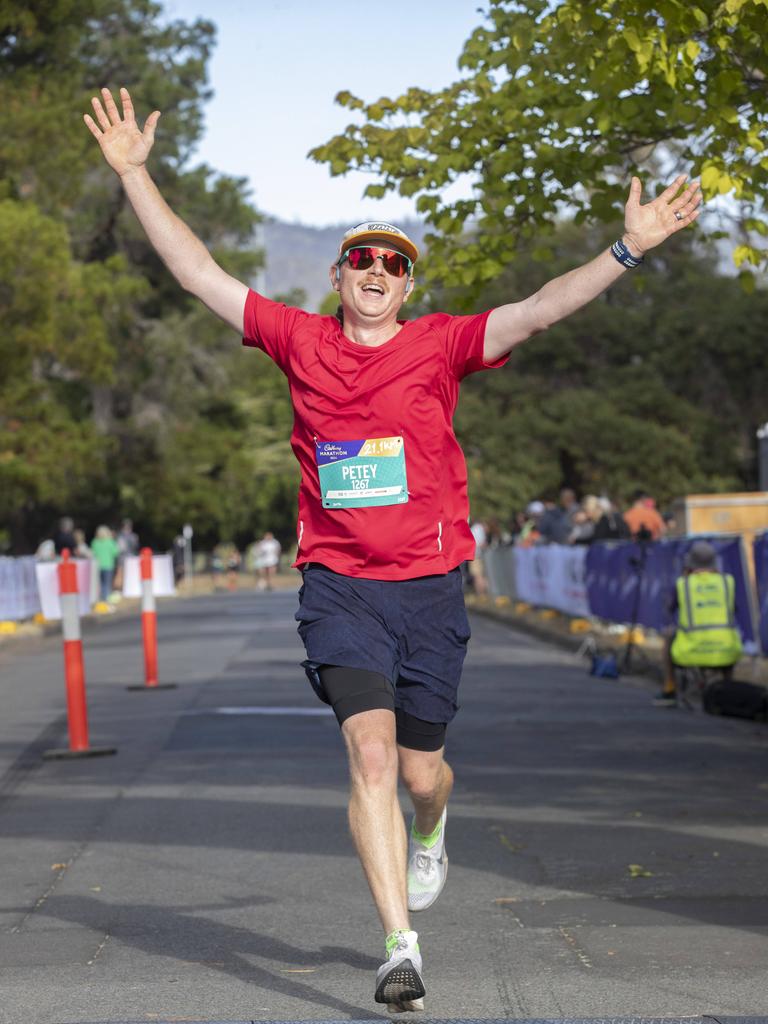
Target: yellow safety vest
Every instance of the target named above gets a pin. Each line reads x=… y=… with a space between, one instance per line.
x=706 y=630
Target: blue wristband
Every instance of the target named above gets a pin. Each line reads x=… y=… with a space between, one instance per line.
x=624 y=256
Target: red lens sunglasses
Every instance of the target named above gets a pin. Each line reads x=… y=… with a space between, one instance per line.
x=362 y=257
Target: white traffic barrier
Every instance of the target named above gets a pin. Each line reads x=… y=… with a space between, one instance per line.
x=48 y=587
x=162 y=576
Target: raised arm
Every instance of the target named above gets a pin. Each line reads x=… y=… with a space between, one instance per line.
x=644 y=228
x=126 y=149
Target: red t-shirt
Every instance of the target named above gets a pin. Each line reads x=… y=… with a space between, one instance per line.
x=407 y=387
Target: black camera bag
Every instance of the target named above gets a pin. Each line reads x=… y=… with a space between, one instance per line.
x=736 y=699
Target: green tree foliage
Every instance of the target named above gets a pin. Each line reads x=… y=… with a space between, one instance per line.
x=654 y=386
x=120 y=395
x=557 y=106
x=293 y=297
x=330 y=304
x=54 y=345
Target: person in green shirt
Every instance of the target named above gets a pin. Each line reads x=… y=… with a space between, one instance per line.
x=105 y=550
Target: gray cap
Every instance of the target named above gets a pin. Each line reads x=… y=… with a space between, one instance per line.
x=701 y=555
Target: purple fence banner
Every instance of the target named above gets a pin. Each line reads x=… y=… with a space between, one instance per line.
x=634 y=582
x=760 y=550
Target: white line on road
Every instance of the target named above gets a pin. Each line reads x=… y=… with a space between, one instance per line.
x=255 y=710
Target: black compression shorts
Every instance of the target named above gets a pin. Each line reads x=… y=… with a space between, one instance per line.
x=352 y=690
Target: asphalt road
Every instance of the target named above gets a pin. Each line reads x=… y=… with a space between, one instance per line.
x=607 y=858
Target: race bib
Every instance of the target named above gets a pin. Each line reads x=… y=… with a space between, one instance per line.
x=362 y=474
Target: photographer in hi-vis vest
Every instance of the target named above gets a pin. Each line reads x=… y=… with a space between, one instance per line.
x=706 y=635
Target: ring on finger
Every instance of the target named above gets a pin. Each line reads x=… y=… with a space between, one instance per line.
x=678 y=215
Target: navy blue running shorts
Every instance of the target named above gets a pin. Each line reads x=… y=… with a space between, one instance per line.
x=413 y=632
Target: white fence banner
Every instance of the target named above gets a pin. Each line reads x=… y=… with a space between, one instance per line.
x=162 y=576
x=18 y=589
x=553 y=576
x=48 y=587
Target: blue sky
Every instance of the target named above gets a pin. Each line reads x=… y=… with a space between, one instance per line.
x=278 y=65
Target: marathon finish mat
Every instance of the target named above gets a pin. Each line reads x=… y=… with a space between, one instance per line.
x=694 y=1019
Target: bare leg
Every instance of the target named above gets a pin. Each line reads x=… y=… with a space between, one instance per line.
x=429 y=781
x=375 y=817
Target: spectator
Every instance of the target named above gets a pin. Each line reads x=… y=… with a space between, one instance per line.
x=585 y=521
x=128 y=539
x=556 y=523
x=234 y=561
x=670 y=523
x=611 y=525
x=81 y=549
x=46 y=551
x=217 y=564
x=225 y=558
x=477 y=566
x=64 y=536
x=517 y=524
x=643 y=520
x=494 y=535
x=128 y=543
x=266 y=559
x=105 y=550
x=530 y=534
x=178 y=557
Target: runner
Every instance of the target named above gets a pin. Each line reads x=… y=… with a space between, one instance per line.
x=383 y=510
x=266 y=559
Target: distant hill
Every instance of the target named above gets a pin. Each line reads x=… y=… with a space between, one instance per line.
x=298 y=256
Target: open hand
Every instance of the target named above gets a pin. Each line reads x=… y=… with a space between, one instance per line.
x=649 y=225
x=125 y=148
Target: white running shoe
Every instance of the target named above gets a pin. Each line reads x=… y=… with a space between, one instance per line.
x=398 y=981
x=427 y=870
